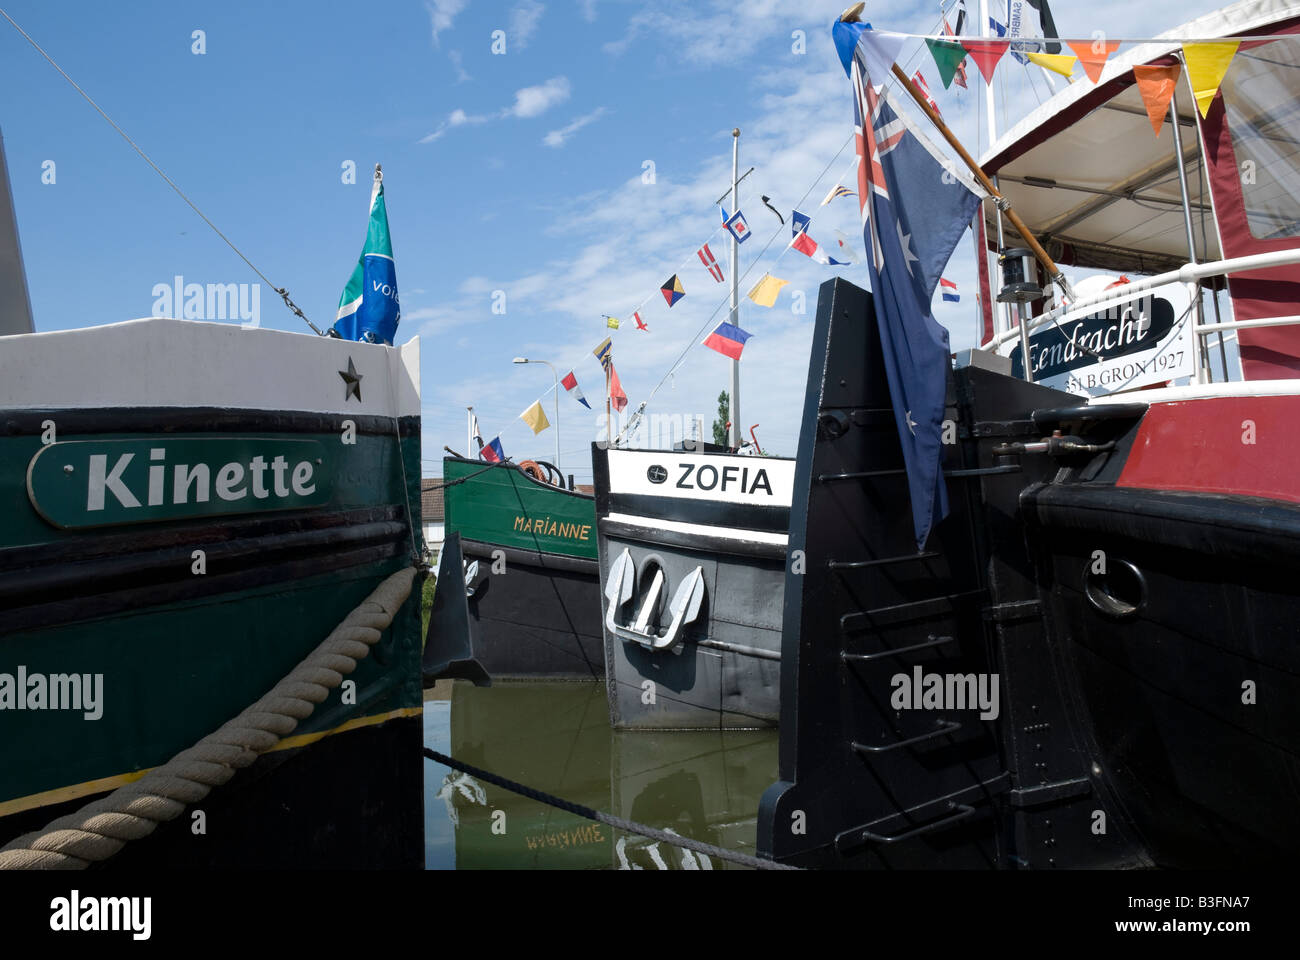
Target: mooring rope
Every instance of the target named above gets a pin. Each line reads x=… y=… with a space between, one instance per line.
x=618 y=823
x=471 y=476
x=102 y=828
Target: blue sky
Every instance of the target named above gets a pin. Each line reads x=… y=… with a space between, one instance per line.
x=520 y=172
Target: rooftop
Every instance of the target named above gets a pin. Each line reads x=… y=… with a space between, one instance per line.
x=431 y=506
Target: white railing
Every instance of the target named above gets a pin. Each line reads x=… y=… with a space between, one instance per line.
x=1188 y=273
x=1247 y=324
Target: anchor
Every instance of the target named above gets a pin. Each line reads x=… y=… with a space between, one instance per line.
x=685 y=605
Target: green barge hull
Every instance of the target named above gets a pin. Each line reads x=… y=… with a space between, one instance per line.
x=535 y=595
x=140 y=609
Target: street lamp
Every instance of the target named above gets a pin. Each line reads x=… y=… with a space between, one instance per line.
x=557 y=404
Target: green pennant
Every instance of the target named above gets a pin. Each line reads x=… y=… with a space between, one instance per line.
x=948 y=56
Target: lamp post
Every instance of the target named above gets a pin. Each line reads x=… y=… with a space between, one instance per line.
x=557 y=404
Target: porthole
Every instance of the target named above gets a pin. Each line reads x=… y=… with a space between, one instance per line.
x=1119 y=593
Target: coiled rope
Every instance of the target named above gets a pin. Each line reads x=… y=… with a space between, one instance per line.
x=102 y=828
x=618 y=823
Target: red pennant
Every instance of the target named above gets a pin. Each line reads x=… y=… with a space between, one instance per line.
x=616 y=394
x=1156 y=84
x=1091 y=60
x=986 y=54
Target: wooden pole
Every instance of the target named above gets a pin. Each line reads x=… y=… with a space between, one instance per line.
x=1053 y=270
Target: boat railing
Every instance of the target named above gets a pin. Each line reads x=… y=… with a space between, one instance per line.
x=1191 y=274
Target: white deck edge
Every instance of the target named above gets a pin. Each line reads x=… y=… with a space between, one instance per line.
x=164 y=362
x=1205 y=391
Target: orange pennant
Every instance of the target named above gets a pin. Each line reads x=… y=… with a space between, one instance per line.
x=1092 y=60
x=1156 y=84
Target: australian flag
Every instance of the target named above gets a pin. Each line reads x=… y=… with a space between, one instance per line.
x=915 y=208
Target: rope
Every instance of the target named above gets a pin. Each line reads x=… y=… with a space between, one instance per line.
x=417 y=556
x=1171 y=40
x=102 y=828
x=471 y=476
x=618 y=823
x=284 y=294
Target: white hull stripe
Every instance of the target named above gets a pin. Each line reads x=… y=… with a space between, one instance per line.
x=701 y=529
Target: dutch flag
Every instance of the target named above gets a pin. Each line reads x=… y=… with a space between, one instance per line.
x=949 y=290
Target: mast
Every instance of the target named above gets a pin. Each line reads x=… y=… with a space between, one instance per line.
x=986 y=31
x=1001 y=321
x=733 y=435
x=1199 y=342
x=15 y=305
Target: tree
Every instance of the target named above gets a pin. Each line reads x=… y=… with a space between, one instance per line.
x=720 y=424
x=426 y=602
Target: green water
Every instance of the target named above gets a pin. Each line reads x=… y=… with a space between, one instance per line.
x=556 y=737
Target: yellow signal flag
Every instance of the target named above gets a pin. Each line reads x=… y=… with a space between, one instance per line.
x=1056 y=62
x=765 y=291
x=611 y=322
x=1207 y=64
x=535 y=417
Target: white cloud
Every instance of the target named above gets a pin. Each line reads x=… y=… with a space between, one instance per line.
x=457 y=118
x=442 y=15
x=589 y=10
x=523 y=22
x=462 y=75
x=557 y=138
x=529 y=102
x=534 y=101
x=706 y=32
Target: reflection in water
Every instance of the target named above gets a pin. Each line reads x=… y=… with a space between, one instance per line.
x=439 y=835
x=556 y=737
x=468 y=788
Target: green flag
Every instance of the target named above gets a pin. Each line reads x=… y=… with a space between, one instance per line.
x=369 y=309
x=947 y=57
